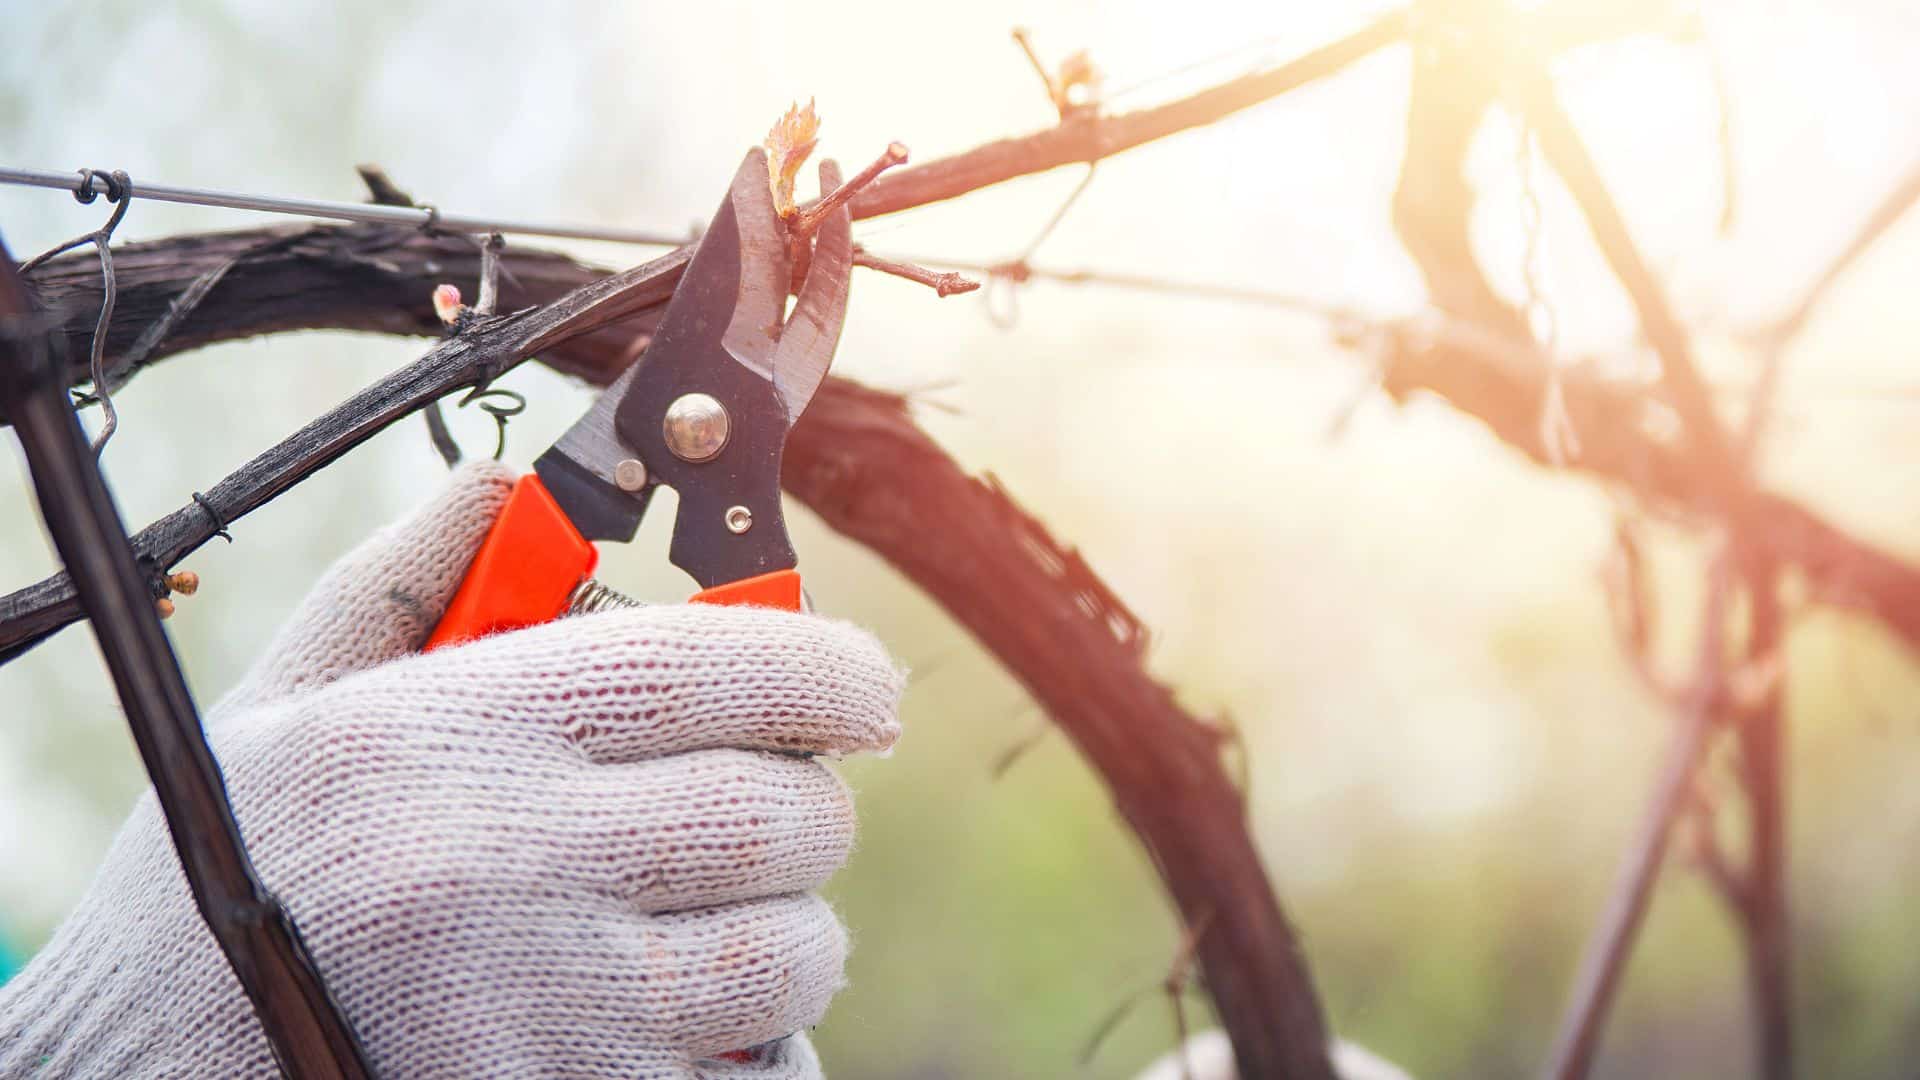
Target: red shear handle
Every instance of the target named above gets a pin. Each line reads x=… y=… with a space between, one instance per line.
x=533 y=558
x=526 y=569
x=780 y=589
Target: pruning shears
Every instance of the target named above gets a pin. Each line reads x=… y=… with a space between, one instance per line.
x=704 y=410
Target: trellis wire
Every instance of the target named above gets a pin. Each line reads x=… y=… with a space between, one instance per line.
x=425 y=217
x=119 y=191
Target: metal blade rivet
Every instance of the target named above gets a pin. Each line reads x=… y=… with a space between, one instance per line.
x=739 y=519
x=630 y=475
x=696 y=427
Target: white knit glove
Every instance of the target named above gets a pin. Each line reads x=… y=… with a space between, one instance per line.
x=579 y=850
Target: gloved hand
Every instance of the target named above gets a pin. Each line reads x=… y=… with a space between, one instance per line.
x=583 y=849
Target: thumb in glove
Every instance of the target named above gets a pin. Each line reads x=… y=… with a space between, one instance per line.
x=381 y=601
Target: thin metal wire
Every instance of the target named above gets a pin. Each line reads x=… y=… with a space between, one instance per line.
x=119 y=191
x=213 y=514
x=1019 y=272
x=426 y=217
x=1003 y=305
x=1263 y=48
x=92 y=183
x=1016 y=271
x=1059 y=215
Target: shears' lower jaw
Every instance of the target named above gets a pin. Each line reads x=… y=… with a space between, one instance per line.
x=583 y=468
x=598 y=509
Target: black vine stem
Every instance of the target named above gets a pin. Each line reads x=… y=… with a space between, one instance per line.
x=309 y=1035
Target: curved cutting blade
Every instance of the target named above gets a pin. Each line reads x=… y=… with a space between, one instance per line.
x=760 y=265
x=805 y=352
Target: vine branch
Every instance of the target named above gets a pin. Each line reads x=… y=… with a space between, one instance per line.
x=1085 y=135
x=1704 y=468
x=1599 y=975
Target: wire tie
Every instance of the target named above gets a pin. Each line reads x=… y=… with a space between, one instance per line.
x=219 y=524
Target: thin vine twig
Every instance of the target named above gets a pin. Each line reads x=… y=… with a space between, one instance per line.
x=1709 y=472
x=1606 y=955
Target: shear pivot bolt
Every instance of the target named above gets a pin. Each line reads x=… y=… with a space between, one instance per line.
x=739 y=519
x=696 y=428
x=630 y=475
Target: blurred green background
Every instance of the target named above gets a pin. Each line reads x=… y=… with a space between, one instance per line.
x=1405 y=620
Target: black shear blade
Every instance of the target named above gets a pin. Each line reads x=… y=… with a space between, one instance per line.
x=728 y=298
x=808 y=341
x=718 y=339
x=580 y=471
x=722 y=337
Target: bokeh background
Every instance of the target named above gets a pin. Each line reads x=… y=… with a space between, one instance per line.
x=1404 y=618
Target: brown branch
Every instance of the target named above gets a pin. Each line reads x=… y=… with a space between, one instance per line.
x=1713 y=475
x=1448 y=100
x=1687 y=460
x=1679 y=374
x=1776 y=338
x=1708 y=857
x=944 y=282
x=1500 y=383
x=808 y=218
x=1891 y=208
x=1630 y=599
x=859 y=461
x=1724 y=472
x=1089 y=136
x=1762 y=745
x=1606 y=955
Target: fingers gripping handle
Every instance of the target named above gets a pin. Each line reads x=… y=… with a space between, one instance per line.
x=525 y=570
x=780 y=589
x=533 y=558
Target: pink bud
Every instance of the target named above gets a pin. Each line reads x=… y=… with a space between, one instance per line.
x=446 y=303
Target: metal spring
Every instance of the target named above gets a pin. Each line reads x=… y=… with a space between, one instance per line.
x=590 y=596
